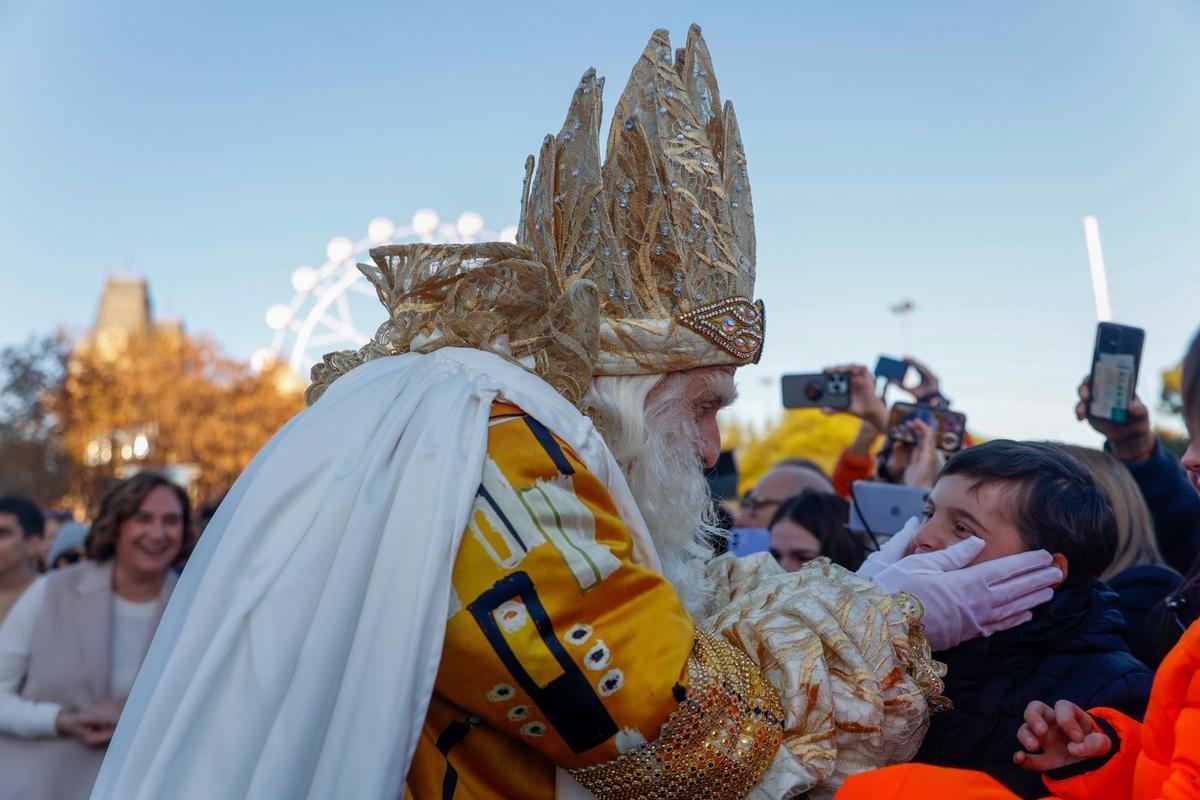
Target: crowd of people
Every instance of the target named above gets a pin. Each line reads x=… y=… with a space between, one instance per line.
x=79 y=606
x=1122 y=523
x=485 y=562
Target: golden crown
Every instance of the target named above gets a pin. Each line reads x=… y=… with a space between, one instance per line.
x=664 y=227
x=642 y=265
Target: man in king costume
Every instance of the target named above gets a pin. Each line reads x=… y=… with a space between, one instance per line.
x=477 y=565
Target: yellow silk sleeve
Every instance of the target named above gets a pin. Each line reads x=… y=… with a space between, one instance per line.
x=555 y=636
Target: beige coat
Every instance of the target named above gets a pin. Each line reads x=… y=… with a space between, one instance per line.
x=69 y=664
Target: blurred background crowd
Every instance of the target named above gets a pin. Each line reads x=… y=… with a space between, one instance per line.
x=119 y=529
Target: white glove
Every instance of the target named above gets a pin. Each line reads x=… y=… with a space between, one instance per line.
x=963 y=603
x=892 y=550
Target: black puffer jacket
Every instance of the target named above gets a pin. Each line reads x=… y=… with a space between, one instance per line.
x=1140 y=590
x=1073 y=649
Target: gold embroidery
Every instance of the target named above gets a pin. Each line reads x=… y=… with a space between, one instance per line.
x=736 y=325
x=927 y=672
x=717 y=743
x=490 y=297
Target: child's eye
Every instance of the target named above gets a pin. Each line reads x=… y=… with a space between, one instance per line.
x=963 y=530
x=927 y=514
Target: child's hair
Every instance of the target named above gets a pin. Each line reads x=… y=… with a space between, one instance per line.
x=1057 y=506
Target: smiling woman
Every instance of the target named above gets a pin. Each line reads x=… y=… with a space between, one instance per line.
x=145 y=524
x=73 y=644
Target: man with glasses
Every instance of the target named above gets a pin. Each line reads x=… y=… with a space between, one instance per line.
x=785 y=480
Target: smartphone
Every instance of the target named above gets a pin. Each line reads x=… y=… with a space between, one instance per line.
x=950 y=427
x=893 y=369
x=1115 y=361
x=817 y=390
x=884 y=508
x=748 y=541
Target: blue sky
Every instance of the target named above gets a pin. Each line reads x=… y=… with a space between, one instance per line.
x=940 y=151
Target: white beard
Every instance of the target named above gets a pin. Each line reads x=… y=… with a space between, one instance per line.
x=655 y=445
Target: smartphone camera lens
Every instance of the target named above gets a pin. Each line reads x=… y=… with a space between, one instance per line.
x=813 y=390
x=950 y=440
x=838 y=383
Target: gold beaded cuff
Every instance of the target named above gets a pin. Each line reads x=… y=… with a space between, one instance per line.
x=925 y=671
x=718 y=742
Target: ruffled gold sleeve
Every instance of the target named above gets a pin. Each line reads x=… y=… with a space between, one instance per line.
x=850 y=663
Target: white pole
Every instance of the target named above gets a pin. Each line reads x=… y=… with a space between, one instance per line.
x=1091 y=233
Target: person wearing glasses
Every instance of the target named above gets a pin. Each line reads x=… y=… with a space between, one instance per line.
x=785 y=480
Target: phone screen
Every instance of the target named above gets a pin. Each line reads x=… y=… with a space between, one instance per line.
x=1114 y=371
x=950 y=427
x=892 y=369
x=748 y=541
x=1112 y=383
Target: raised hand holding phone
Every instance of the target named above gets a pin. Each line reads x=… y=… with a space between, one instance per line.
x=864 y=403
x=1113 y=379
x=1133 y=440
x=928 y=384
x=892 y=370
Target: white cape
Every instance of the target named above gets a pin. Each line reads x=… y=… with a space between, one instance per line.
x=299 y=650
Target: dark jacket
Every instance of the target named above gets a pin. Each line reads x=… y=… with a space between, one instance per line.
x=1073 y=649
x=1139 y=590
x=1174 y=505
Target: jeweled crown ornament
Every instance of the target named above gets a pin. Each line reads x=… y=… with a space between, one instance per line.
x=664 y=227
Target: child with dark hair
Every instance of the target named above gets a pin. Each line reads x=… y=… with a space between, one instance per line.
x=1020 y=496
x=810 y=525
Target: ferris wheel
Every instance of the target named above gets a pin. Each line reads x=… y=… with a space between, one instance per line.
x=334 y=307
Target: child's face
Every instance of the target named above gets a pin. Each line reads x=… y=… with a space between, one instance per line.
x=955 y=511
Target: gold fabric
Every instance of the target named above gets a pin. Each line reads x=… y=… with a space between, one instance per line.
x=491 y=297
x=927 y=672
x=838 y=650
x=562 y=651
x=582 y=665
x=716 y=745
x=664 y=227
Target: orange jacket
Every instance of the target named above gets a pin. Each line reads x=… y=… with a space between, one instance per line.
x=1158 y=759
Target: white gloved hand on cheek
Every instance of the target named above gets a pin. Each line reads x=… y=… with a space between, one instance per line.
x=965 y=602
x=892 y=550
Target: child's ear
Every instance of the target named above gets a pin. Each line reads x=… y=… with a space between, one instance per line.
x=1061 y=562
